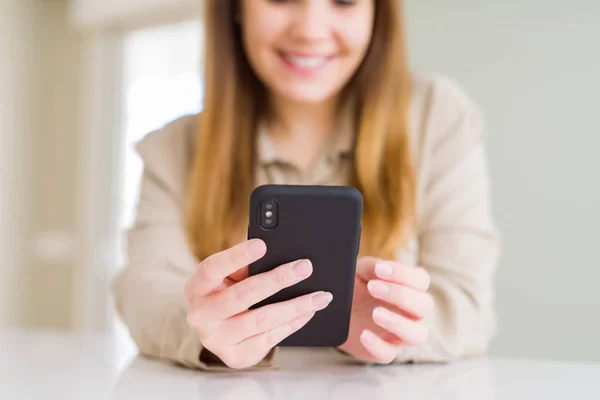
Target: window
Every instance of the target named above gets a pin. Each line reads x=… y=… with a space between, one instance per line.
x=162 y=80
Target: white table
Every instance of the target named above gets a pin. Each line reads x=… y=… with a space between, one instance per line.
x=43 y=365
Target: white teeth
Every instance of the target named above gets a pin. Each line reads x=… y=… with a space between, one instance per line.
x=305 y=62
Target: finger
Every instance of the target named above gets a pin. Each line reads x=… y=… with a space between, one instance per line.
x=240 y=274
x=264 y=342
x=214 y=269
x=254 y=322
x=381 y=351
x=409 y=331
x=365 y=267
x=406 y=275
x=243 y=295
x=414 y=302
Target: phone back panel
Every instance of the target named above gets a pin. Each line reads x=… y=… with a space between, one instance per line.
x=322 y=224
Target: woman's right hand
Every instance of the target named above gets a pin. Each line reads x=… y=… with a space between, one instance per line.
x=219 y=305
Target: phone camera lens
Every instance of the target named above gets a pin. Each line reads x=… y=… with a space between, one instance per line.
x=269 y=214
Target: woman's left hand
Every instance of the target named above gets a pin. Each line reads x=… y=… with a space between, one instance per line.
x=390 y=301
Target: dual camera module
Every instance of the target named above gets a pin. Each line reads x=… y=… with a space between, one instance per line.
x=269 y=215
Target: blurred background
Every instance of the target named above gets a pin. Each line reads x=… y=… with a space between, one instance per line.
x=82 y=80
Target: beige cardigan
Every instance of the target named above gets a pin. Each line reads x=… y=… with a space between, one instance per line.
x=456 y=239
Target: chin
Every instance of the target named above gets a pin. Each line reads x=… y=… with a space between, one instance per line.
x=304 y=96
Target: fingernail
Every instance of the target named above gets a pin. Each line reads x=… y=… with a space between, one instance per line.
x=378 y=289
x=367 y=337
x=384 y=270
x=321 y=300
x=382 y=317
x=255 y=248
x=301 y=269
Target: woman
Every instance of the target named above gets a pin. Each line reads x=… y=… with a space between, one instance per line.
x=313 y=92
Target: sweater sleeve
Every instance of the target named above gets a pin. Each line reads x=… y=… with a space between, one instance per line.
x=149 y=291
x=458 y=244
x=456 y=237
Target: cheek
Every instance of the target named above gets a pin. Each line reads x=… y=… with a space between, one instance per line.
x=254 y=38
x=260 y=29
x=356 y=39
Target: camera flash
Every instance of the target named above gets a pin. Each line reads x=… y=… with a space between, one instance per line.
x=269 y=214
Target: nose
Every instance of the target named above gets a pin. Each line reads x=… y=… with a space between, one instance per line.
x=312 y=18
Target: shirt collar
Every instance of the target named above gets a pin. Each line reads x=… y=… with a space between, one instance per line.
x=341 y=142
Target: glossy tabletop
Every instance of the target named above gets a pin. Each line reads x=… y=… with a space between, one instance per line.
x=45 y=365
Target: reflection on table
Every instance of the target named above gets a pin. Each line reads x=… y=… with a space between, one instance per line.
x=68 y=366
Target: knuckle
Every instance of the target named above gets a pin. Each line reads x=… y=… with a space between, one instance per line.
x=270 y=339
x=243 y=292
x=236 y=360
x=281 y=276
x=262 y=319
x=209 y=343
x=233 y=360
x=274 y=336
x=235 y=364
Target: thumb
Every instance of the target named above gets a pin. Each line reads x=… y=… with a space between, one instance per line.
x=365 y=268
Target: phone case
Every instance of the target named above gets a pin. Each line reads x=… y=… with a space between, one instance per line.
x=322 y=224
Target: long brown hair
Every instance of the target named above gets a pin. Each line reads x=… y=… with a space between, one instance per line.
x=222 y=175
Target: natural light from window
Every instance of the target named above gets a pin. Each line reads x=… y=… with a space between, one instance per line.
x=161 y=82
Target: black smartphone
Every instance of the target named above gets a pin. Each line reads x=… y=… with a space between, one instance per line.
x=319 y=223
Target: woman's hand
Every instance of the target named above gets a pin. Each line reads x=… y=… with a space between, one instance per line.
x=390 y=300
x=220 y=294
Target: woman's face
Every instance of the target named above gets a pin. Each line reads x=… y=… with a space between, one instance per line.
x=306 y=50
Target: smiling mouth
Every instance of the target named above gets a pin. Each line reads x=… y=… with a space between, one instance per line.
x=305 y=62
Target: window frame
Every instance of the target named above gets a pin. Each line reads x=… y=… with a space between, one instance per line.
x=102 y=160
